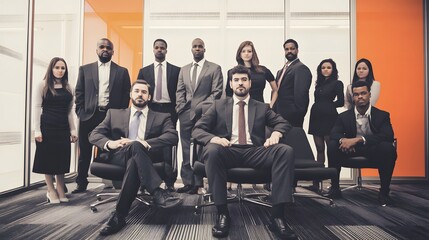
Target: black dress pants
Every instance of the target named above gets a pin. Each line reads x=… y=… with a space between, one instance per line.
x=383 y=153
x=279 y=159
x=139 y=171
x=85 y=147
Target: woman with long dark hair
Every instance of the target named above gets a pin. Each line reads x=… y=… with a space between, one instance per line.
x=54 y=128
x=328 y=96
x=363 y=72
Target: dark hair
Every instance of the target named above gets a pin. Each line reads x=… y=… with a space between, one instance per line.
x=254 y=62
x=50 y=78
x=140 y=81
x=370 y=78
x=290 y=41
x=160 y=40
x=240 y=69
x=361 y=84
x=334 y=75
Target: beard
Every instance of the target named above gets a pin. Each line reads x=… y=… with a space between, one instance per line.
x=290 y=56
x=104 y=59
x=139 y=104
x=241 y=93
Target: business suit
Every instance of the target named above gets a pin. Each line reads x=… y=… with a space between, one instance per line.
x=160 y=132
x=148 y=73
x=87 y=107
x=378 y=146
x=278 y=159
x=292 y=101
x=188 y=101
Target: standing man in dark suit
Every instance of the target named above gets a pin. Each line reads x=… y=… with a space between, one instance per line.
x=293 y=81
x=233 y=134
x=100 y=85
x=363 y=131
x=163 y=76
x=131 y=135
x=200 y=83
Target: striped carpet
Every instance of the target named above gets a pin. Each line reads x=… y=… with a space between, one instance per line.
x=355 y=216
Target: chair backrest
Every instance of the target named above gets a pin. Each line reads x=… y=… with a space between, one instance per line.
x=297 y=139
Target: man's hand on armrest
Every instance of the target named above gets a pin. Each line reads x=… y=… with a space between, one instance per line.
x=221 y=141
x=274 y=139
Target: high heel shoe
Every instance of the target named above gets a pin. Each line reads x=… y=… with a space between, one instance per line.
x=53 y=201
x=64 y=199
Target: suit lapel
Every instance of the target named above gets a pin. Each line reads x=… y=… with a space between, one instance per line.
x=112 y=75
x=204 y=69
x=228 y=115
x=94 y=72
x=149 y=122
x=352 y=122
x=251 y=111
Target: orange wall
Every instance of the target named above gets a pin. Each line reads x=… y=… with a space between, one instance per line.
x=390 y=35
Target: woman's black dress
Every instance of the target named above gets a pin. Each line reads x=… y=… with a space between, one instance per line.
x=259 y=80
x=53 y=153
x=324 y=110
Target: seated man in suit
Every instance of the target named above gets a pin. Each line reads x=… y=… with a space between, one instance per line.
x=130 y=135
x=363 y=131
x=233 y=134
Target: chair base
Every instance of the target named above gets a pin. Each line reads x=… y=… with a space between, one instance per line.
x=359 y=185
x=240 y=197
x=143 y=198
x=315 y=195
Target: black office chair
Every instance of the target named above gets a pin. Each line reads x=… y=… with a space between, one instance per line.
x=306 y=168
x=101 y=167
x=357 y=163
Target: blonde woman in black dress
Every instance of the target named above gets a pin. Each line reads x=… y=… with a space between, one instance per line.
x=54 y=128
x=328 y=96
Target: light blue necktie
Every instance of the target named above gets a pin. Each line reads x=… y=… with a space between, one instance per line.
x=134 y=126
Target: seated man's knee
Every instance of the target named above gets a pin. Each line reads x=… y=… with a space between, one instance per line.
x=333 y=146
x=386 y=149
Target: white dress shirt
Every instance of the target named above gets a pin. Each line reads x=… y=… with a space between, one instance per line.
x=103 y=83
x=362 y=123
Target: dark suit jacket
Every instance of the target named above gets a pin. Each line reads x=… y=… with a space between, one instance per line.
x=160 y=131
x=87 y=89
x=209 y=87
x=217 y=121
x=293 y=99
x=381 y=127
x=147 y=73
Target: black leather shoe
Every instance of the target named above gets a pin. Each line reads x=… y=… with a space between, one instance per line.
x=115 y=223
x=281 y=229
x=384 y=199
x=194 y=190
x=170 y=188
x=333 y=193
x=221 y=229
x=79 y=189
x=163 y=199
x=185 y=189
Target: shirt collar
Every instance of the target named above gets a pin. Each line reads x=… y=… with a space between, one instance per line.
x=145 y=110
x=289 y=63
x=164 y=63
x=106 y=64
x=236 y=100
x=200 y=63
x=367 y=113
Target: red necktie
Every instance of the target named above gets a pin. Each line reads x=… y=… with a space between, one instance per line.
x=241 y=124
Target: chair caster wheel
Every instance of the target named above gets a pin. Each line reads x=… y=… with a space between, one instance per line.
x=99 y=198
x=197 y=210
x=94 y=209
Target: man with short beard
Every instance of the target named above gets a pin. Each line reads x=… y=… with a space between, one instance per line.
x=131 y=136
x=233 y=134
x=100 y=86
x=293 y=81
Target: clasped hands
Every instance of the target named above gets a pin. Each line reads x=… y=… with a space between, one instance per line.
x=115 y=144
x=272 y=140
x=347 y=145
